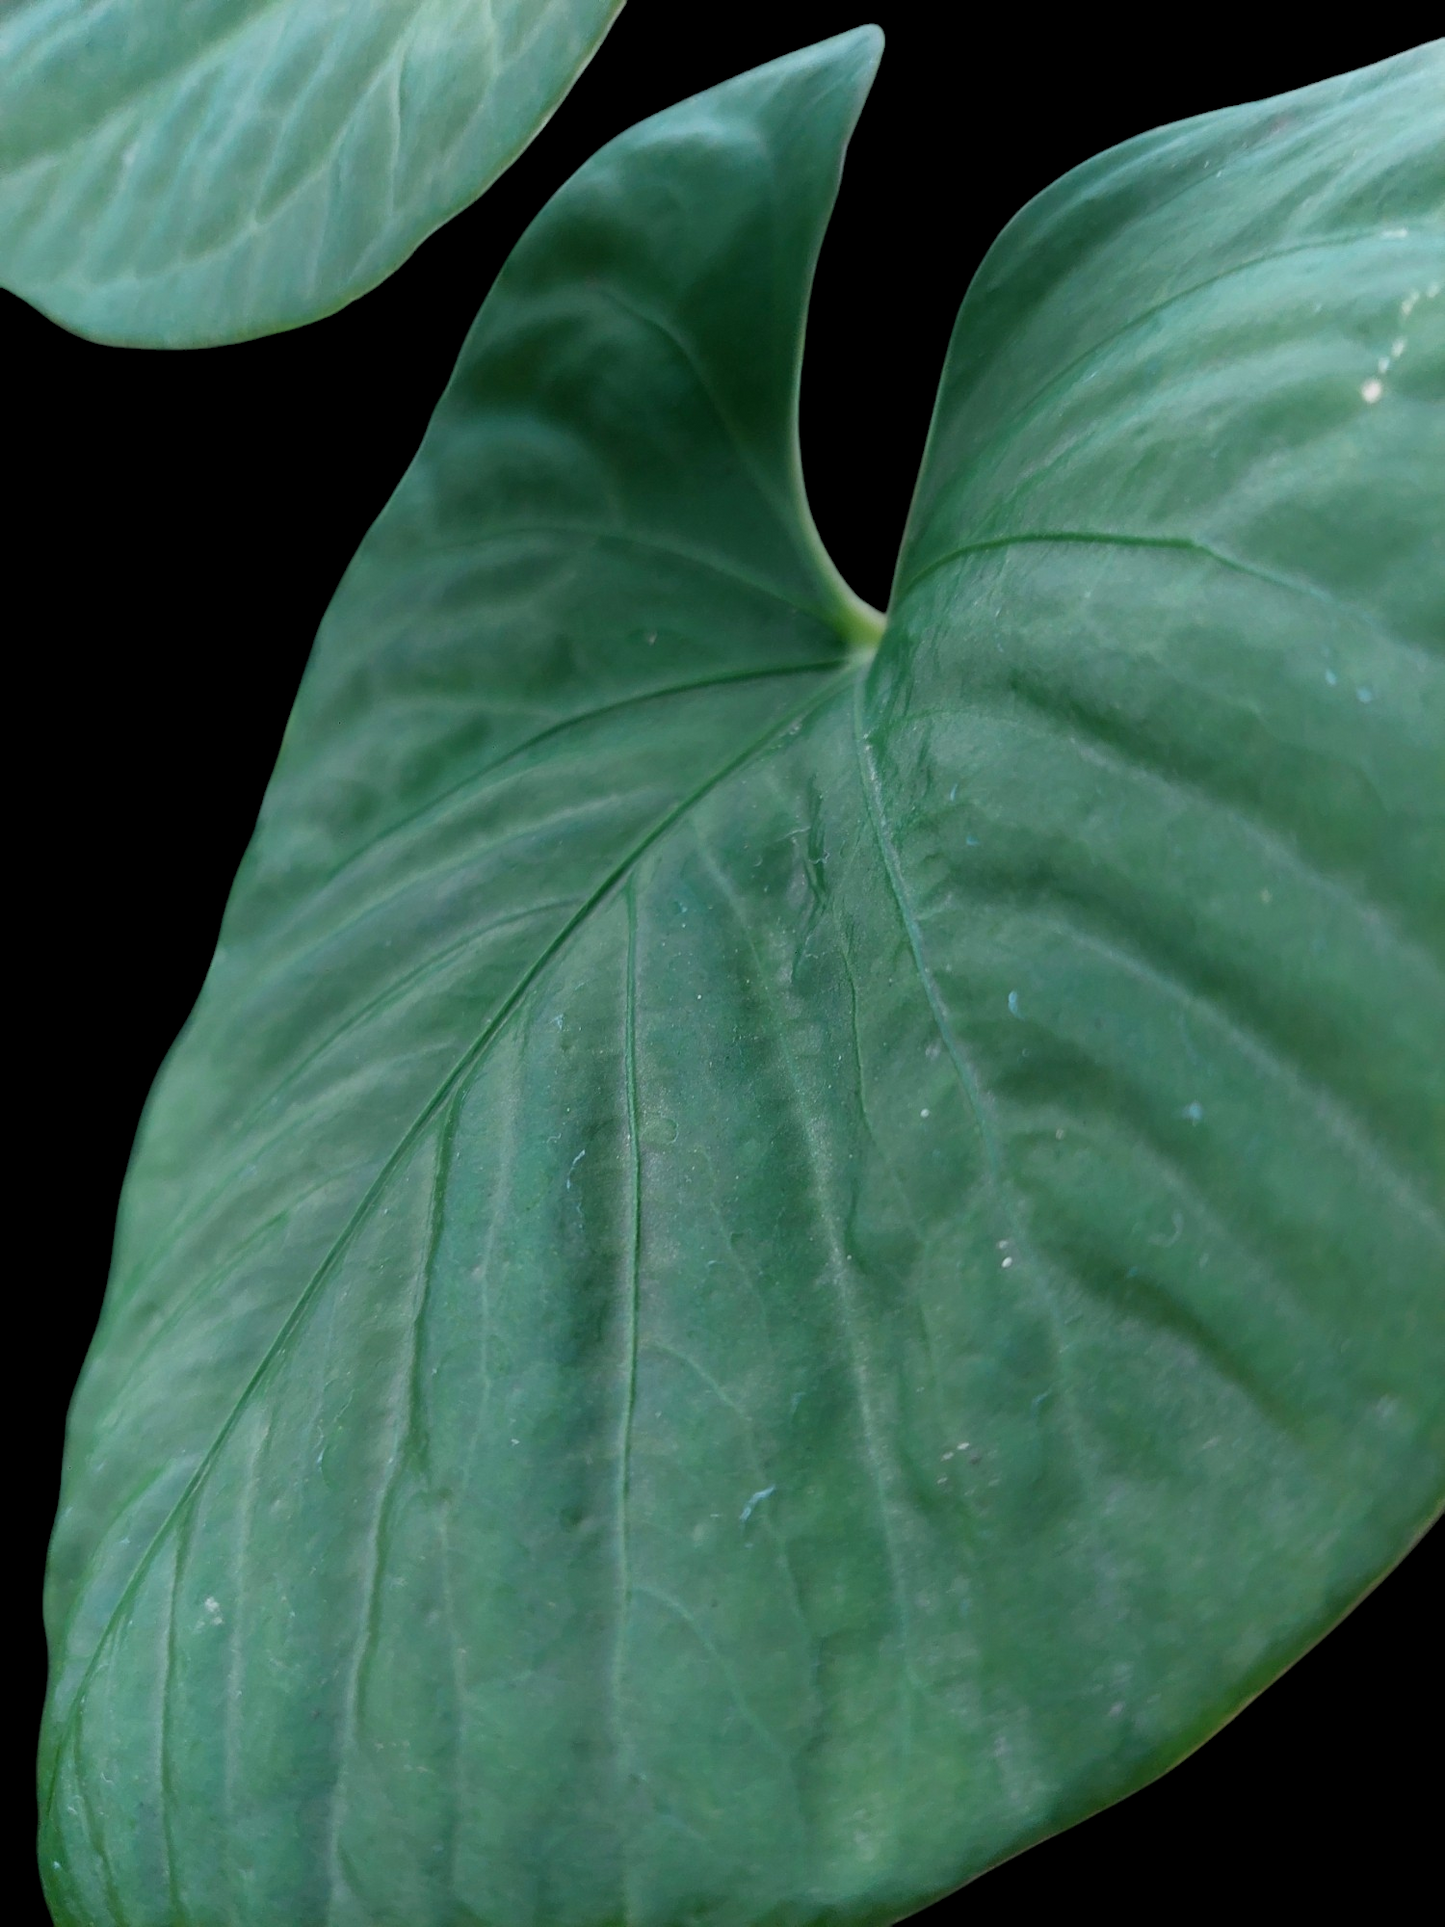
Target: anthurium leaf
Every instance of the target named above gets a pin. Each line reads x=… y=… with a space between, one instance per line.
x=767 y=1271
x=180 y=172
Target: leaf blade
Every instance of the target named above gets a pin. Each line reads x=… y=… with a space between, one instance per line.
x=874 y=1250
x=250 y=165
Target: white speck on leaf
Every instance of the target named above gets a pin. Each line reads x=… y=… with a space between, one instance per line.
x=1372 y=389
x=1331 y=678
x=1364 y=694
x=923 y=1113
x=1194 y=1112
x=1175 y=1234
x=573 y=1165
x=1397 y=347
x=757 y=1499
x=213 y=1611
x=1013 y=1003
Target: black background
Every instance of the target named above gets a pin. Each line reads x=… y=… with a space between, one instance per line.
x=176 y=524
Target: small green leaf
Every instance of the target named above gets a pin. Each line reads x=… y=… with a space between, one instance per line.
x=767 y=1270
x=180 y=172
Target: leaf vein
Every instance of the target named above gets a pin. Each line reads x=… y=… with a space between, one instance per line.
x=1181 y=545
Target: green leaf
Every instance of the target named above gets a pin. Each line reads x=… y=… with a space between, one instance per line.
x=175 y=173
x=767 y=1271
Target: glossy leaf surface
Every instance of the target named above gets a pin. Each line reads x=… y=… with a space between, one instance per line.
x=180 y=172
x=768 y=1271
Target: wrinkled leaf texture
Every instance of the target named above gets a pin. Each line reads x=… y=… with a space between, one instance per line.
x=769 y=1270
x=181 y=172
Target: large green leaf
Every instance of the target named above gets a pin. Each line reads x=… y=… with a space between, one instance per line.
x=767 y=1271
x=178 y=172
